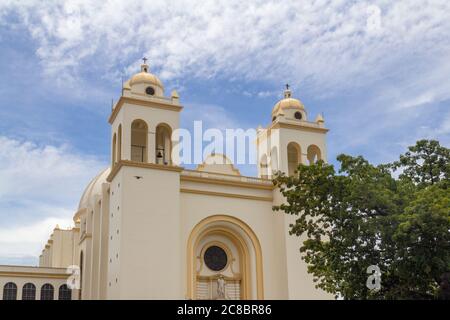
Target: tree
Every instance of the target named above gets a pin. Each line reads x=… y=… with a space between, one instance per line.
x=426 y=163
x=362 y=216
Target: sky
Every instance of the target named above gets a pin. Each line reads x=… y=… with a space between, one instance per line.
x=377 y=70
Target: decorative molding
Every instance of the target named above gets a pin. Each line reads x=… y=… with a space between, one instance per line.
x=145 y=165
x=230 y=182
x=279 y=125
x=199 y=231
x=85 y=236
x=78 y=214
x=229 y=195
x=34 y=275
x=144 y=103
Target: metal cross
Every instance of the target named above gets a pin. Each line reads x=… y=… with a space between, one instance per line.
x=145 y=60
x=287 y=86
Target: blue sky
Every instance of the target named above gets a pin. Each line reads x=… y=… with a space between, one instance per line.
x=378 y=70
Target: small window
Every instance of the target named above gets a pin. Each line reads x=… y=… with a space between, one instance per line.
x=298 y=115
x=150 y=91
x=273 y=119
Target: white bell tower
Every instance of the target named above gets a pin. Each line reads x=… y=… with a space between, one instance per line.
x=144 y=193
x=290 y=139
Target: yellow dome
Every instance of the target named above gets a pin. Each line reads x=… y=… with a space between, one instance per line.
x=287 y=103
x=145 y=77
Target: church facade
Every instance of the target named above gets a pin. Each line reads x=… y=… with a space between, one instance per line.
x=147 y=228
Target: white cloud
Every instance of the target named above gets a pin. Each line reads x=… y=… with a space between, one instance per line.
x=326 y=42
x=39 y=172
x=40 y=186
x=28 y=240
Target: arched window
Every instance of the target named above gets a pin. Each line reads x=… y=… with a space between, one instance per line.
x=114 y=150
x=163 y=144
x=65 y=293
x=314 y=154
x=10 y=291
x=294 y=154
x=264 y=167
x=139 y=132
x=47 y=292
x=29 y=291
x=119 y=143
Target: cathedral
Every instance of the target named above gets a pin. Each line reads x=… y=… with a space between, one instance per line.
x=147 y=228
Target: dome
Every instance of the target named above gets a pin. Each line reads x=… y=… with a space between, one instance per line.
x=287 y=103
x=93 y=188
x=145 y=77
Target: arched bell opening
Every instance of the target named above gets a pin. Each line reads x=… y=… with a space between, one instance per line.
x=139 y=133
x=163 y=144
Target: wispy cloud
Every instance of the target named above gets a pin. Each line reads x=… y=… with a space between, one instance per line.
x=329 y=43
x=40 y=186
x=379 y=69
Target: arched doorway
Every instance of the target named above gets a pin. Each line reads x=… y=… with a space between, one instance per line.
x=224 y=260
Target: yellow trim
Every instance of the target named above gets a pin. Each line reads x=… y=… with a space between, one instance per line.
x=279 y=125
x=243 y=184
x=144 y=103
x=244 y=255
x=78 y=214
x=33 y=275
x=199 y=229
x=135 y=164
x=229 y=195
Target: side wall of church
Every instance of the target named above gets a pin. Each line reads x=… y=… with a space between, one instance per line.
x=146 y=252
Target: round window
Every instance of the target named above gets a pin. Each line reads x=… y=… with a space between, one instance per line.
x=150 y=91
x=215 y=258
x=298 y=115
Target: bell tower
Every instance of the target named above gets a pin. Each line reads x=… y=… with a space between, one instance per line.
x=144 y=192
x=143 y=120
x=290 y=139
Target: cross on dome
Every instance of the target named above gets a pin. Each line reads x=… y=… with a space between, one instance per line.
x=144 y=66
x=287 y=92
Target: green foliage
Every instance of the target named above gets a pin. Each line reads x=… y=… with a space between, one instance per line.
x=362 y=216
x=426 y=163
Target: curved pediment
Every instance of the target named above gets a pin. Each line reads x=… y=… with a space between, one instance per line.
x=218 y=163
